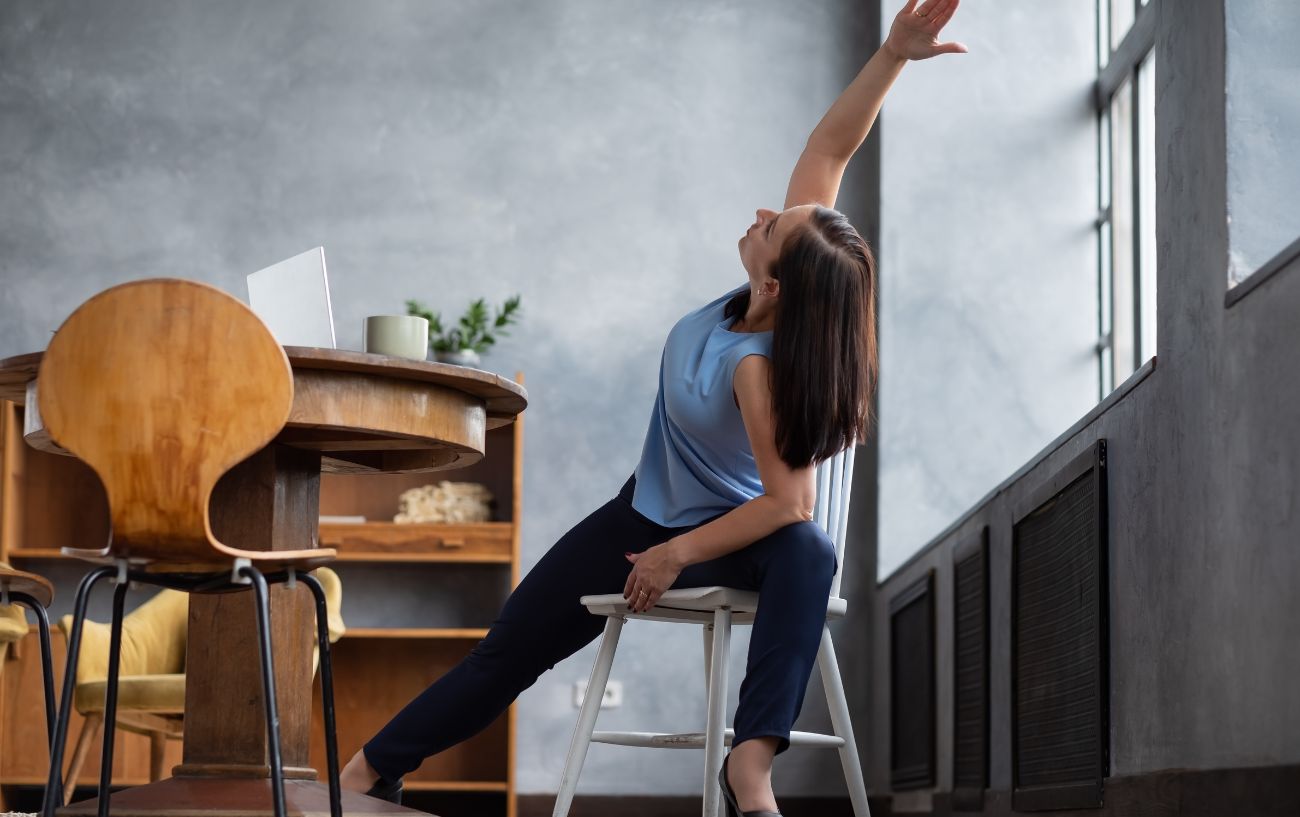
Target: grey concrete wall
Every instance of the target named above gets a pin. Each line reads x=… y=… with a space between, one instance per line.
x=599 y=158
x=1263 y=119
x=1203 y=459
x=988 y=260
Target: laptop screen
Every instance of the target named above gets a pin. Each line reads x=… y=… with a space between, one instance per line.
x=293 y=299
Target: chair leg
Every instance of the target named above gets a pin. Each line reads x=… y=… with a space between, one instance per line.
x=708 y=652
x=263 y=605
x=157 y=751
x=54 y=786
x=89 y=731
x=581 y=739
x=47 y=657
x=327 y=694
x=715 y=730
x=838 y=705
x=110 y=698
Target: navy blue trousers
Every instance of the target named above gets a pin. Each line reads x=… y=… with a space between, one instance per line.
x=542 y=623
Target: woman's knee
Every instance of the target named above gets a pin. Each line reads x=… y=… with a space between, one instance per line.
x=804 y=546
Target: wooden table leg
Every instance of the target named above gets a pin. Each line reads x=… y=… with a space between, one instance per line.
x=268 y=502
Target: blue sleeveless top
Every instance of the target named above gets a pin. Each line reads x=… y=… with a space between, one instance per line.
x=696 y=461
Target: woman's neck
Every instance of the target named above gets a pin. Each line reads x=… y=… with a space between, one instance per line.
x=756 y=318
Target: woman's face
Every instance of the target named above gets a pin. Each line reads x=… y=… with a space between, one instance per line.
x=761 y=244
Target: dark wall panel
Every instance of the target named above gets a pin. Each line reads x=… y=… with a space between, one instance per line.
x=911 y=669
x=1059 y=645
x=970 y=672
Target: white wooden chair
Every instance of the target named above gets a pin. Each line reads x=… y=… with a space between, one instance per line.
x=717 y=609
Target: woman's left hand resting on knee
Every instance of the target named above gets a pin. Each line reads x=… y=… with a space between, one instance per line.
x=653 y=571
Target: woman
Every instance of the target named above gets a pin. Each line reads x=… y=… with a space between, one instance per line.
x=756 y=388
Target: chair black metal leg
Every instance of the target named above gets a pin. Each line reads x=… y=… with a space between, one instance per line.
x=54 y=784
x=327 y=693
x=263 y=605
x=110 y=697
x=47 y=657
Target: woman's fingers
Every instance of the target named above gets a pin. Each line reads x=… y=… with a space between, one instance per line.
x=910 y=7
x=925 y=8
x=932 y=9
x=942 y=18
x=644 y=596
x=950 y=48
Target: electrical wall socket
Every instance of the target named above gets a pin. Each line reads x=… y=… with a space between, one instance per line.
x=613 y=694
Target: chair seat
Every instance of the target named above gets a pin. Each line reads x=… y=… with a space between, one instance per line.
x=263 y=559
x=695 y=740
x=694 y=604
x=157 y=694
x=35 y=586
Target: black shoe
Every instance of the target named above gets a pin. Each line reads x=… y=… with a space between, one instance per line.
x=390 y=790
x=733 y=808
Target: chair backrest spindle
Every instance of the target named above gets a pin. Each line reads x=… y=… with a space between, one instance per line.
x=831 y=510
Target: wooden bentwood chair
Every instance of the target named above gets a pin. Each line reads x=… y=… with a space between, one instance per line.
x=162 y=386
x=717 y=609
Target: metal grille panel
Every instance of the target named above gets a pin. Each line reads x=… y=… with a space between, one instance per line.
x=1059 y=644
x=912 y=686
x=970 y=672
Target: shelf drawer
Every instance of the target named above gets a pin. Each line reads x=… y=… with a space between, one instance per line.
x=393 y=541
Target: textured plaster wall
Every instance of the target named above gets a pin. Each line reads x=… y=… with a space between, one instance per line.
x=599 y=158
x=988 y=260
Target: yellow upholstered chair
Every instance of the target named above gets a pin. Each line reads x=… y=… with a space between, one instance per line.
x=151 y=688
x=13 y=624
x=19 y=589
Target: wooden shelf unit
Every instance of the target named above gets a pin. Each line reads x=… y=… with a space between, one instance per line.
x=49 y=502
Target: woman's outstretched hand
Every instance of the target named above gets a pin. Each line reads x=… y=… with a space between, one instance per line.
x=653 y=571
x=915 y=32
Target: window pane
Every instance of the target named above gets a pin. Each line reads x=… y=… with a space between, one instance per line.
x=1121 y=256
x=1121 y=20
x=1103 y=138
x=1106 y=351
x=1147 y=202
x=1263 y=119
x=1103 y=27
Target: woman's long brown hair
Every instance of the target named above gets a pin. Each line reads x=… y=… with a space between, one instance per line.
x=824 y=363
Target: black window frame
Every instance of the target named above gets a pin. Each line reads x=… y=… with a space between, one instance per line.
x=1122 y=65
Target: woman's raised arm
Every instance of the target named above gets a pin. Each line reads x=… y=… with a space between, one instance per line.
x=913 y=36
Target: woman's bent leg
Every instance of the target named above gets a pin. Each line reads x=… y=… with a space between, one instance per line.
x=792 y=569
x=541 y=624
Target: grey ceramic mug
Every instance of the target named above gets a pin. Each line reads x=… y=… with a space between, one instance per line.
x=397 y=335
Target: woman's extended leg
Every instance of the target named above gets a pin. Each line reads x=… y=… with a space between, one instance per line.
x=541 y=624
x=792 y=569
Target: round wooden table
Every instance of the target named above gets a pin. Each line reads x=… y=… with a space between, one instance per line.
x=352 y=413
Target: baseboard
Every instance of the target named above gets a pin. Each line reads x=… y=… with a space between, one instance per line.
x=1270 y=791
x=540 y=805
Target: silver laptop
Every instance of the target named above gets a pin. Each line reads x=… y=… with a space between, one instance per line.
x=293 y=299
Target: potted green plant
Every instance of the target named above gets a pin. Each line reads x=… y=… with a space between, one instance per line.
x=472 y=335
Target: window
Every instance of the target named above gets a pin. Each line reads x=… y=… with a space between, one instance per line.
x=1126 y=240
x=1262 y=120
